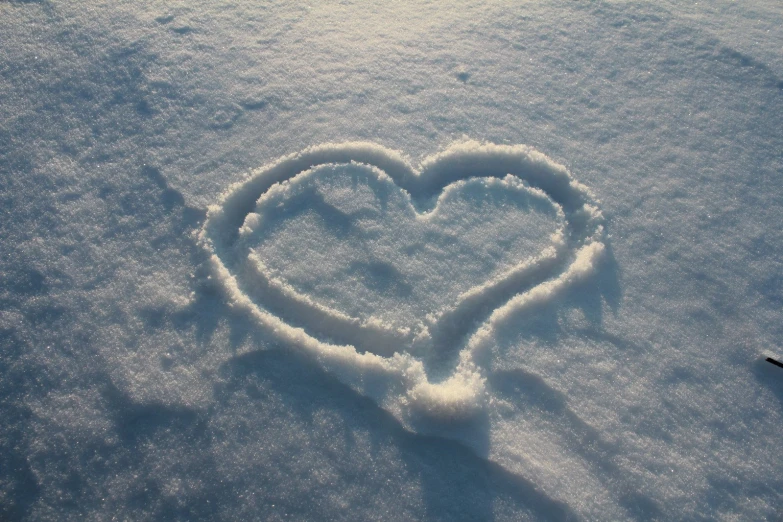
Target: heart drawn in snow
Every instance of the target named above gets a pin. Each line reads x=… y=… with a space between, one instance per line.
x=393 y=278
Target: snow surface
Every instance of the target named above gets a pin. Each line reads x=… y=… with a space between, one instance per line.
x=292 y=261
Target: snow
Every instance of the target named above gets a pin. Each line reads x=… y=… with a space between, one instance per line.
x=391 y=261
x=403 y=321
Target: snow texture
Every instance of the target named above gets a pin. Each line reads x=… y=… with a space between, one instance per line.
x=391 y=346
x=289 y=261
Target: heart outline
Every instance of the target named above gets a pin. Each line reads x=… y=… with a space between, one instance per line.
x=373 y=334
x=400 y=382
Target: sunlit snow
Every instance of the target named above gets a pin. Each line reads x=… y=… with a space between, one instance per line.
x=391 y=260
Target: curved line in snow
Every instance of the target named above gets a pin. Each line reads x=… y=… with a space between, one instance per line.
x=388 y=371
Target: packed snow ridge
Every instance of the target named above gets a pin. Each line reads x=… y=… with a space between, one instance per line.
x=394 y=278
